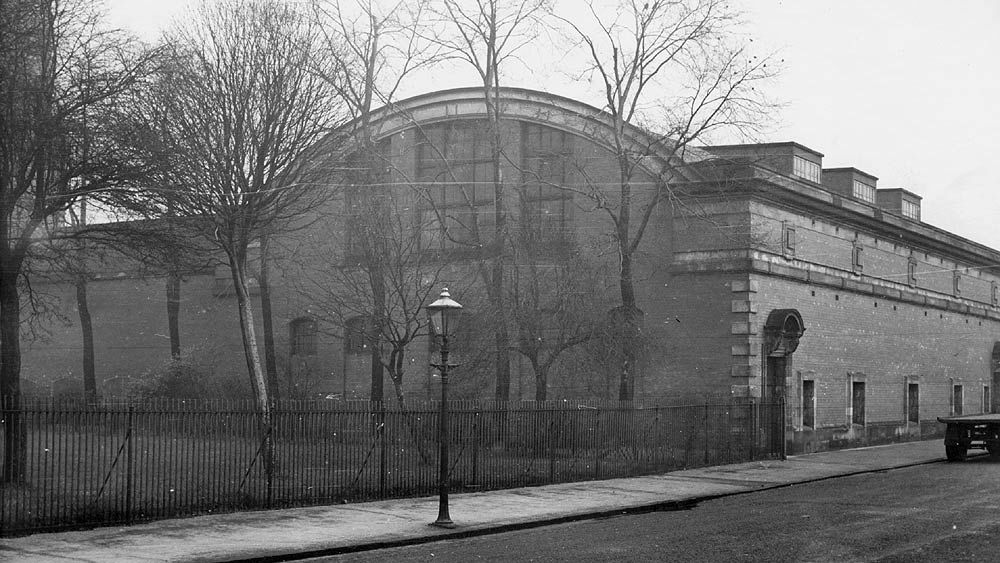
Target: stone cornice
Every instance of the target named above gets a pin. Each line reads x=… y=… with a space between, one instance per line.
x=752 y=262
x=809 y=199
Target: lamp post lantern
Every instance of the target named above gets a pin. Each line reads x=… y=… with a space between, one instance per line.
x=440 y=313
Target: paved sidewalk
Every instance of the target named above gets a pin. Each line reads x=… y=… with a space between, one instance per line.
x=277 y=534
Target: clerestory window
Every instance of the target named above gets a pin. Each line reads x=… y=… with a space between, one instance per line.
x=546 y=206
x=366 y=196
x=454 y=166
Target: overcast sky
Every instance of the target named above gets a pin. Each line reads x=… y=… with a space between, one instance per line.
x=905 y=90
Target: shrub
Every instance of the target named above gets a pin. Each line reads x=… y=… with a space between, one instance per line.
x=194 y=375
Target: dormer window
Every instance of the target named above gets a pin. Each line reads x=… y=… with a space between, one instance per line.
x=806 y=169
x=910 y=210
x=863 y=191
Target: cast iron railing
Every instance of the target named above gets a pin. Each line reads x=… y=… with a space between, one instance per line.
x=123 y=462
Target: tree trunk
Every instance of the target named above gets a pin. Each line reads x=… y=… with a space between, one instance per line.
x=254 y=367
x=250 y=349
x=630 y=347
x=377 y=281
x=87 y=331
x=15 y=433
x=396 y=376
x=173 y=312
x=630 y=311
x=629 y=329
x=377 y=372
x=541 y=381
x=501 y=336
x=270 y=360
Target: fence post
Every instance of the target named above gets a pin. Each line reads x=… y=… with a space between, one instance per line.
x=552 y=446
x=705 y=433
x=596 y=444
x=476 y=438
x=269 y=456
x=380 y=424
x=128 y=464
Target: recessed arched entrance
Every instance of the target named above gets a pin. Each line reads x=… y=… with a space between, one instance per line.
x=782 y=331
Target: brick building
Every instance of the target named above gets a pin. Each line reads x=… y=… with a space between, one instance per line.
x=764 y=275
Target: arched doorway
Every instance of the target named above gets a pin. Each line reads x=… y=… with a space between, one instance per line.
x=781 y=337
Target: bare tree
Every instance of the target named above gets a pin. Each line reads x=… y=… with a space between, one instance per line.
x=678 y=68
x=236 y=118
x=341 y=289
x=72 y=258
x=487 y=34
x=78 y=251
x=375 y=49
x=62 y=78
x=553 y=312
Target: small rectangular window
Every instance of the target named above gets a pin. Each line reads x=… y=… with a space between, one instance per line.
x=788 y=239
x=956 y=400
x=994 y=294
x=858 y=402
x=359 y=334
x=956 y=284
x=911 y=273
x=809 y=403
x=857 y=262
x=303 y=337
x=913 y=402
x=986 y=398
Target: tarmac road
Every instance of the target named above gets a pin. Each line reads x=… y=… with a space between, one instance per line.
x=935 y=512
x=804 y=526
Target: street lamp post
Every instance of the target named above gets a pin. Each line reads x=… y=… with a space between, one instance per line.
x=440 y=312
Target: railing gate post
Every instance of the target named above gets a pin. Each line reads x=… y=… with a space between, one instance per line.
x=128 y=464
x=705 y=424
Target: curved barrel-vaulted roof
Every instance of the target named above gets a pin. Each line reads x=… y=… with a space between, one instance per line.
x=533 y=106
